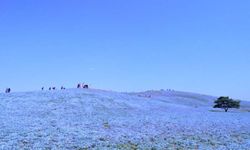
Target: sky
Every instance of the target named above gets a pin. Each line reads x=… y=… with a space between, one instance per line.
x=127 y=45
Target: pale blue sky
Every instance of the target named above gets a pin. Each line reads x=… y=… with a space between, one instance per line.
x=127 y=45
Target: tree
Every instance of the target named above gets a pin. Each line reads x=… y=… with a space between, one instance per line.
x=226 y=103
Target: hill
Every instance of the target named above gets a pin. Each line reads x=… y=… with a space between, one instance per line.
x=98 y=119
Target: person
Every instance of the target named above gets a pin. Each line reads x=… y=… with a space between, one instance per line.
x=50 y=88
x=78 y=85
x=7 y=90
x=54 y=88
x=86 y=86
x=42 y=88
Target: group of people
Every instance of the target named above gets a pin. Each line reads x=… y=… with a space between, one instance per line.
x=79 y=86
x=82 y=86
x=54 y=88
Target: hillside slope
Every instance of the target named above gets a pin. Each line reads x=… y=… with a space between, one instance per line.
x=96 y=119
x=178 y=97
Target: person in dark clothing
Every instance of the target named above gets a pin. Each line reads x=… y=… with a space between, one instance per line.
x=7 y=90
x=79 y=86
x=50 y=88
x=86 y=86
x=42 y=88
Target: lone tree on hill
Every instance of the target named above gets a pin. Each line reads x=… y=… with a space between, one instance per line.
x=226 y=103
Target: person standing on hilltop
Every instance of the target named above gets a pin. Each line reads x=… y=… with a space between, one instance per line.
x=79 y=85
x=7 y=90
